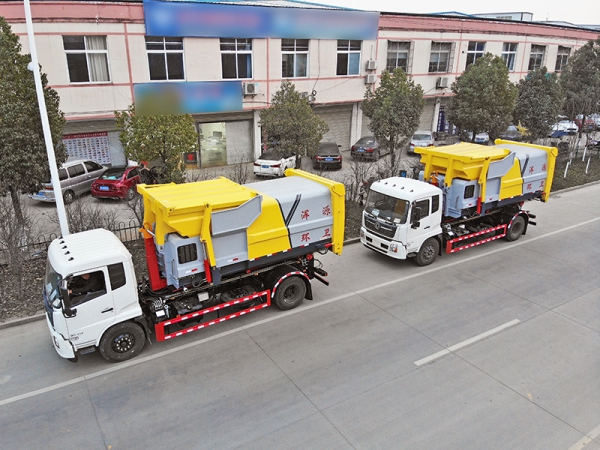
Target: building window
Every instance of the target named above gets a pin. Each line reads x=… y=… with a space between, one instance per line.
x=294 y=58
x=536 y=57
x=87 y=58
x=509 y=55
x=562 y=58
x=165 y=58
x=439 y=59
x=399 y=54
x=236 y=58
x=474 y=51
x=348 y=57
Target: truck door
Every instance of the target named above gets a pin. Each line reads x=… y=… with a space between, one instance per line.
x=417 y=234
x=94 y=308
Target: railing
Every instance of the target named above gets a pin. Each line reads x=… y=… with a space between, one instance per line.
x=37 y=247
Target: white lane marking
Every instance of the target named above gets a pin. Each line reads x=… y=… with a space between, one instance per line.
x=143 y=359
x=586 y=439
x=462 y=344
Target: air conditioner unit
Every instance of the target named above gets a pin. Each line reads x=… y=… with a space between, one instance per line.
x=250 y=88
x=442 y=82
x=371 y=65
x=371 y=78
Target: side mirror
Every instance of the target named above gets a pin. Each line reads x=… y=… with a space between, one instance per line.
x=415 y=217
x=66 y=298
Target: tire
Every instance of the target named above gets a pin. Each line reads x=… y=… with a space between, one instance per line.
x=68 y=197
x=129 y=194
x=290 y=293
x=122 y=342
x=516 y=228
x=428 y=252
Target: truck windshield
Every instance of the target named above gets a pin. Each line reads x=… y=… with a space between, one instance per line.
x=386 y=207
x=51 y=283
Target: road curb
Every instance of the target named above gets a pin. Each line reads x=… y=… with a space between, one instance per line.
x=21 y=321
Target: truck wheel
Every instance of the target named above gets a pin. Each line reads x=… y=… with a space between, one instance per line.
x=516 y=229
x=428 y=252
x=68 y=197
x=290 y=293
x=122 y=342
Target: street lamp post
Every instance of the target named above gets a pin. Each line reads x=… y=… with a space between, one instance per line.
x=35 y=68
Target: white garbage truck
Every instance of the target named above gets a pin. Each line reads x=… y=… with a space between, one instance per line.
x=466 y=195
x=215 y=250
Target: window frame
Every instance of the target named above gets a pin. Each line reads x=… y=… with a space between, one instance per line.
x=562 y=58
x=166 y=52
x=349 y=51
x=510 y=56
x=409 y=55
x=237 y=52
x=540 y=56
x=474 y=51
x=87 y=52
x=439 y=51
x=295 y=53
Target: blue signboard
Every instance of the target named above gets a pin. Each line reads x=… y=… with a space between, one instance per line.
x=197 y=19
x=187 y=97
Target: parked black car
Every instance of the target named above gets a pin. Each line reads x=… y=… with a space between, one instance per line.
x=366 y=147
x=328 y=156
x=511 y=134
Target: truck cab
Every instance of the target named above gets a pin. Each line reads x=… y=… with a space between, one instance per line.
x=78 y=317
x=400 y=215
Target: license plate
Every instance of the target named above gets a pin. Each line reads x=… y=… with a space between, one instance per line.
x=104 y=188
x=361 y=150
x=328 y=159
x=266 y=166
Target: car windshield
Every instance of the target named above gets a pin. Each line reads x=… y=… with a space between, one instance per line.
x=366 y=141
x=385 y=207
x=270 y=156
x=421 y=137
x=114 y=173
x=51 y=281
x=328 y=150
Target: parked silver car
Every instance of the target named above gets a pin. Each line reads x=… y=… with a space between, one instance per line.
x=421 y=139
x=76 y=178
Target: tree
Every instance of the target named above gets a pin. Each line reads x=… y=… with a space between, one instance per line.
x=23 y=157
x=290 y=124
x=581 y=81
x=538 y=103
x=164 y=138
x=395 y=111
x=484 y=97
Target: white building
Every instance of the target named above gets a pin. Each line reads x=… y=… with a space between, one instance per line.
x=225 y=61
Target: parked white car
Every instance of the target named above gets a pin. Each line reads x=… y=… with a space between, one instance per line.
x=272 y=163
x=421 y=139
x=566 y=126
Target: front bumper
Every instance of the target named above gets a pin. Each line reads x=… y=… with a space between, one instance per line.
x=43 y=197
x=61 y=345
x=393 y=249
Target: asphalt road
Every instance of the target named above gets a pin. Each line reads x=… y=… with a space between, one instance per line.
x=496 y=347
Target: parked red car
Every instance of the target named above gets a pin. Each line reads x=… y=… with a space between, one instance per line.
x=117 y=182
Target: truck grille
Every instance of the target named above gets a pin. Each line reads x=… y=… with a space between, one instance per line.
x=382 y=229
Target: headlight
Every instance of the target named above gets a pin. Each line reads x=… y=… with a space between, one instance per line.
x=394 y=248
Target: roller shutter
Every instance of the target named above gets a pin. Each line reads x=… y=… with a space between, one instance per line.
x=427 y=115
x=339 y=119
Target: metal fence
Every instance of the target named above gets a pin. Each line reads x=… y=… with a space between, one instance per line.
x=37 y=247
